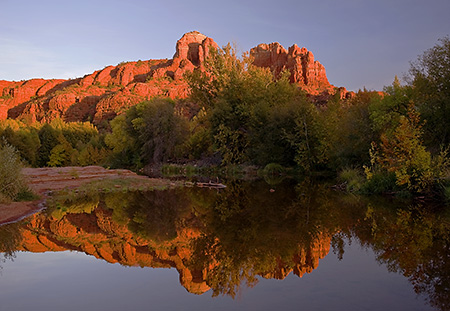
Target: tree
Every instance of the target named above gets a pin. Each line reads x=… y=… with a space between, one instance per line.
x=150 y=132
x=429 y=76
x=250 y=111
x=385 y=112
x=162 y=131
x=61 y=154
x=349 y=131
x=48 y=137
x=306 y=135
x=11 y=182
x=403 y=154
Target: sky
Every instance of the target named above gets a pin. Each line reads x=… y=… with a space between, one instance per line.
x=361 y=43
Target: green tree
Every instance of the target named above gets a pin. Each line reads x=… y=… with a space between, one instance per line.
x=403 y=154
x=48 y=137
x=430 y=78
x=306 y=136
x=162 y=131
x=11 y=181
x=150 y=132
x=249 y=111
x=25 y=140
x=385 y=112
x=61 y=154
x=349 y=130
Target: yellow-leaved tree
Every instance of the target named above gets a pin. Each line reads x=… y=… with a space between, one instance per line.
x=403 y=154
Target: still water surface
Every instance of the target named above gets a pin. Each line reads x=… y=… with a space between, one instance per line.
x=301 y=247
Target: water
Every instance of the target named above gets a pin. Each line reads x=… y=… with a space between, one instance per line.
x=300 y=247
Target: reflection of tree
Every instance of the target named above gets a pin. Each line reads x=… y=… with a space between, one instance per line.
x=252 y=231
x=245 y=231
x=415 y=242
x=10 y=238
x=152 y=215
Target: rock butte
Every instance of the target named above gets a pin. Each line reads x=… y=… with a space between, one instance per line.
x=105 y=93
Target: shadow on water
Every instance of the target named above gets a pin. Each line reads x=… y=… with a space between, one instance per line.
x=221 y=240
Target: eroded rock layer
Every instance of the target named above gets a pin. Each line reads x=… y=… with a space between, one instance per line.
x=107 y=92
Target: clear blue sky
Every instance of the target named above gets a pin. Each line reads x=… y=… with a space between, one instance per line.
x=361 y=43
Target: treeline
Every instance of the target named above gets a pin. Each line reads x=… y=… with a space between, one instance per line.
x=238 y=114
x=54 y=144
x=391 y=141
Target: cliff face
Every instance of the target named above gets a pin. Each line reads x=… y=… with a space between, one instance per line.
x=304 y=71
x=105 y=93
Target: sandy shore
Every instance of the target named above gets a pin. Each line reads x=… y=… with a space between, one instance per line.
x=43 y=180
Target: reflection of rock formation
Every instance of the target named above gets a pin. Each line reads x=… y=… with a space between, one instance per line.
x=305 y=261
x=97 y=234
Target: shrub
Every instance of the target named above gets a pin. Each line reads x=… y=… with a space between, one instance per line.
x=11 y=181
x=273 y=169
x=353 y=179
x=380 y=182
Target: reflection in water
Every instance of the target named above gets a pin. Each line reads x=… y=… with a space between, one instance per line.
x=221 y=240
x=10 y=238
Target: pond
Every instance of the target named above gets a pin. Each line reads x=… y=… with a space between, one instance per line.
x=250 y=246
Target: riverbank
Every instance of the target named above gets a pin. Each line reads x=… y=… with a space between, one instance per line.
x=44 y=181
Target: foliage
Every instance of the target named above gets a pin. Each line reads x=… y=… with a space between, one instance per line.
x=56 y=143
x=403 y=154
x=149 y=133
x=306 y=136
x=385 y=113
x=11 y=181
x=60 y=155
x=255 y=118
x=352 y=178
x=199 y=142
x=349 y=130
x=162 y=132
x=429 y=76
x=48 y=137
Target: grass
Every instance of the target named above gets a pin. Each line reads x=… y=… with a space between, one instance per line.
x=352 y=178
x=174 y=170
x=230 y=171
x=111 y=185
x=26 y=194
x=74 y=173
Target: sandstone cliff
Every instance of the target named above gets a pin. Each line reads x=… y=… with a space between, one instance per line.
x=105 y=93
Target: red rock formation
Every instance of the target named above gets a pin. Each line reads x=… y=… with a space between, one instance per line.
x=107 y=92
x=309 y=74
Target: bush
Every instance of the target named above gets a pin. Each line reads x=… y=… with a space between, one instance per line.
x=353 y=179
x=11 y=181
x=381 y=182
x=273 y=169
